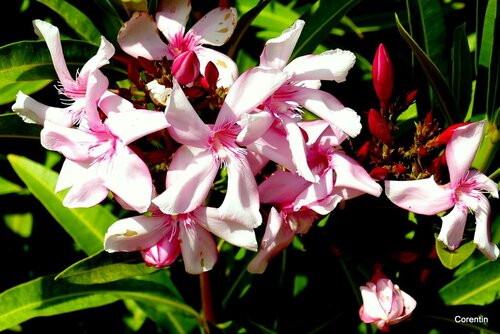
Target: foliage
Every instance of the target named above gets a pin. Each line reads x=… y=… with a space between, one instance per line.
x=56 y=272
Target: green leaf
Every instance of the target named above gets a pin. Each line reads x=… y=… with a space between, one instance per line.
x=462 y=74
x=86 y=226
x=7 y=187
x=106 y=267
x=8 y=92
x=29 y=61
x=452 y=259
x=320 y=23
x=45 y=297
x=434 y=76
x=12 y=126
x=480 y=286
x=75 y=19
x=20 y=223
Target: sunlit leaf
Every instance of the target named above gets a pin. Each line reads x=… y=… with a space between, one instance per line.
x=320 y=23
x=479 y=286
x=8 y=92
x=75 y=19
x=7 y=187
x=434 y=76
x=452 y=259
x=86 y=226
x=20 y=223
x=105 y=267
x=45 y=297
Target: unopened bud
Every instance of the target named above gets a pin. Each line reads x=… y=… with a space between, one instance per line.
x=379 y=173
x=445 y=136
x=164 y=253
x=382 y=76
x=158 y=93
x=186 y=67
x=378 y=127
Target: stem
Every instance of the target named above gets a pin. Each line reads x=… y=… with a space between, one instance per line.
x=208 y=313
x=488 y=148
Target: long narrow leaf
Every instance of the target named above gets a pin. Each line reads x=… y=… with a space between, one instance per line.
x=462 y=70
x=480 y=286
x=105 y=267
x=86 y=226
x=434 y=76
x=8 y=92
x=320 y=23
x=45 y=297
x=75 y=19
x=12 y=126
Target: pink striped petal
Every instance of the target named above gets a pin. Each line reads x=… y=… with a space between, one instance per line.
x=172 y=17
x=282 y=187
x=277 y=51
x=198 y=248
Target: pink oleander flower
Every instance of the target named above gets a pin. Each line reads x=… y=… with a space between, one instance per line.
x=98 y=159
x=186 y=68
x=298 y=202
x=139 y=36
x=285 y=107
x=162 y=237
x=382 y=76
x=208 y=147
x=32 y=111
x=385 y=304
x=464 y=192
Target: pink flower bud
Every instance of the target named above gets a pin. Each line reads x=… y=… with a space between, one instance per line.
x=382 y=76
x=186 y=67
x=164 y=252
x=378 y=127
x=385 y=304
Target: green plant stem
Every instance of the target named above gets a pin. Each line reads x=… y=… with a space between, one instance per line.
x=488 y=148
x=208 y=313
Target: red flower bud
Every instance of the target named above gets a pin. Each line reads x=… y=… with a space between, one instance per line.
x=399 y=169
x=410 y=98
x=445 y=136
x=211 y=74
x=186 y=67
x=363 y=152
x=379 y=173
x=378 y=127
x=382 y=76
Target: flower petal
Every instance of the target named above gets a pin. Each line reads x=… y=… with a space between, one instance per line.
x=423 y=196
x=277 y=51
x=452 y=230
x=216 y=27
x=371 y=310
x=253 y=126
x=234 y=232
x=172 y=17
x=329 y=65
x=228 y=70
x=274 y=146
x=198 y=248
x=248 y=91
x=281 y=187
x=241 y=202
x=135 y=233
x=70 y=174
x=87 y=192
x=461 y=150
x=298 y=148
x=186 y=127
x=32 y=111
x=189 y=178
x=129 y=177
x=139 y=38
x=73 y=143
x=482 y=234
x=316 y=191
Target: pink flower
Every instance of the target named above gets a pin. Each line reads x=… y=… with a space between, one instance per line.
x=186 y=67
x=285 y=107
x=73 y=89
x=464 y=192
x=98 y=159
x=161 y=237
x=207 y=147
x=139 y=36
x=385 y=304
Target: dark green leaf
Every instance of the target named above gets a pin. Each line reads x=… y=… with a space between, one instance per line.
x=480 y=286
x=452 y=259
x=75 y=19
x=106 y=267
x=12 y=126
x=320 y=23
x=434 y=76
x=8 y=92
x=31 y=61
x=462 y=70
x=45 y=297
x=86 y=226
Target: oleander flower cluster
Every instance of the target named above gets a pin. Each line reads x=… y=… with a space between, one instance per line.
x=195 y=150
